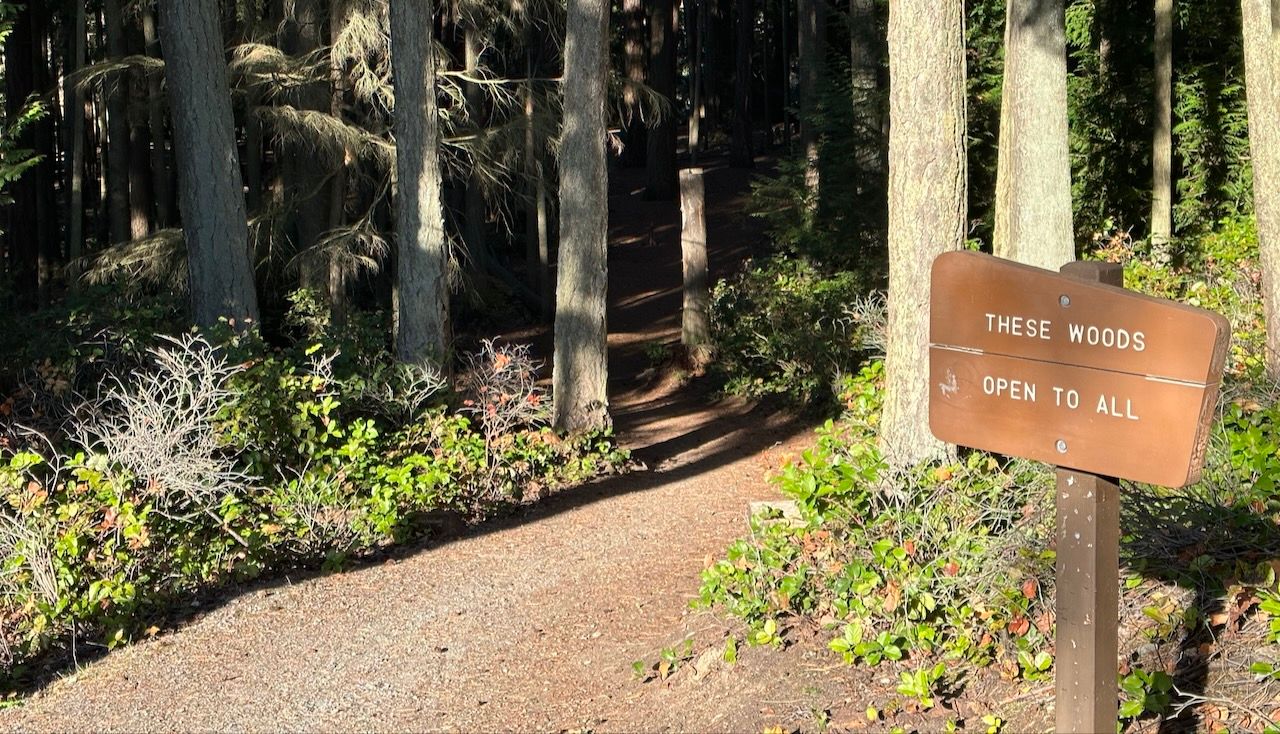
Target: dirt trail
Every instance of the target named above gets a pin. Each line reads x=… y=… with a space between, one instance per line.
x=528 y=623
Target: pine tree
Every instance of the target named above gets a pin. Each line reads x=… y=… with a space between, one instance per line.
x=926 y=203
x=580 y=363
x=210 y=193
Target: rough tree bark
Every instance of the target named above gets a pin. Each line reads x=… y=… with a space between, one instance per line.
x=635 y=128
x=695 y=324
x=1162 y=134
x=76 y=142
x=117 y=128
x=809 y=52
x=1263 y=102
x=740 y=150
x=141 y=199
x=421 y=298
x=338 y=184
x=1033 y=187
x=210 y=193
x=161 y=168
x=864 y=64
x=926 y=203
x=473 y=233
x=694 y=12
x=661 y=156
x=580 y=362
x=45 y=174
x=305 y=173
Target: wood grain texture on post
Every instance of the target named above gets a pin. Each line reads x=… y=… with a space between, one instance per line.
x=695 y=331
x=1087 y=580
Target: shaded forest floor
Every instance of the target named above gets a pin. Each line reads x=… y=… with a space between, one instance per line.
x=532 y=622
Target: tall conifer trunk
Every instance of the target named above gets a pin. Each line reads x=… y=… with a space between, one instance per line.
x=740 y=153
x=76 y=138
x=926 y=204
x=1264 y=144
x=114 y=87
x=141 y=198
x=305 y=174
x=1162 y=134
x=580 y=369
x=210 y=192
x=809 y=51
x=161 y=166
x=1033 y=186
x=661 y=156
x=421 y=297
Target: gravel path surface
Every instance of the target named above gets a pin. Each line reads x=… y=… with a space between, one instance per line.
x=531 y=623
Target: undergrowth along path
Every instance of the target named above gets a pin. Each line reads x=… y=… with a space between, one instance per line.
x=531 y=622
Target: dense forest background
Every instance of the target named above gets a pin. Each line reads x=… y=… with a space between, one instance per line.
x=313 y=99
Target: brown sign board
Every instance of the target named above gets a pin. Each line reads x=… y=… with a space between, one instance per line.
x=1028 y=362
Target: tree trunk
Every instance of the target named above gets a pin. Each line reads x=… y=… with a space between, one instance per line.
x=45 y=174
x=76 y=142
x=338 y=185
x=22 y=231
x=695 y=328
x=421 y=299
x=473 y=197
x=635 y=128
x=1033 y=188
x=580 y=362
x=926 y=204
x=740 y=154
x=210 y=193
x=694 y=12
x=1264 y=145
x=864 y=64
x=809 y=52
x=661 y=156
x=161 y=168
x=118 y=213
x=786 y=75
x=537 y=247
x=141 y=199
x=1162 y=134
x=304 y=172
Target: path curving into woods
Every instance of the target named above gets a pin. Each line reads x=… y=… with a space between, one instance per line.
x=529 y=623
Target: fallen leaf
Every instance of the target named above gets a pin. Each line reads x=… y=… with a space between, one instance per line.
x=1030 y=588
x=892 y=596
x=1019 y=625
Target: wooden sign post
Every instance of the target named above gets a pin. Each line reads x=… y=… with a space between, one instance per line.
x=1087 y=580
x=1073 y=370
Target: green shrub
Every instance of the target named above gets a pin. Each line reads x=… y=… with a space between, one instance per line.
x=784 y=328
x=936 y=560
x=170 y=465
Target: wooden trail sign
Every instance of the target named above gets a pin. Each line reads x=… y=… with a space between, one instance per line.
x=1031 y=363
x=1073 y=370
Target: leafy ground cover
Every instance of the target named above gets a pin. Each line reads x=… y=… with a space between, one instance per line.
x=138 y=470
x=943 y=575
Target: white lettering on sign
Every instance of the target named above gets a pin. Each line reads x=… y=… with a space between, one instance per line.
x=1063 y=397
x=1071 y=398
x=1107 y=336
x=1013 y=389
x=1018 y=326
x=1107 y=405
